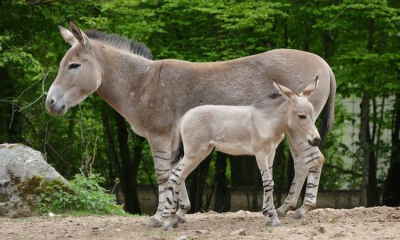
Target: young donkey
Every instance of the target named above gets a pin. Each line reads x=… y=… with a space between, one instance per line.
x=240 y=130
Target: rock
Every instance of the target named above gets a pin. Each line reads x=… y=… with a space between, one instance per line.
x=202 y=231
x=18 y=167
x=241 y=231
x=183 y=237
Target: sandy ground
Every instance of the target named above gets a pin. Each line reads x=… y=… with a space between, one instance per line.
x=324 y=223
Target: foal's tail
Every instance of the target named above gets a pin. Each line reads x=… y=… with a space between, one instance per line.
x=177 y=145
x=329 y=116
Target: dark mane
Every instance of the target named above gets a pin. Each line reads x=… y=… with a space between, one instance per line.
x=121 y=43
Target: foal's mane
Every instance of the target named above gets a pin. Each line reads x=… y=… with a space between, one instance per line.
x=270 y=101
x=121 y=43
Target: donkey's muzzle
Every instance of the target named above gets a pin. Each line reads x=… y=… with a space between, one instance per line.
x=55 y=104
x=315 y=141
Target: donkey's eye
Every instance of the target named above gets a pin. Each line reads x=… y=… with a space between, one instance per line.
x=73 y=65
x=302 y=116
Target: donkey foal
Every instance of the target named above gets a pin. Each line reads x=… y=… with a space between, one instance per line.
x=239 y=130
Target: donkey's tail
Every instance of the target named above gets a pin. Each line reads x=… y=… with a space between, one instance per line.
x=177 y=146
x=329 y=115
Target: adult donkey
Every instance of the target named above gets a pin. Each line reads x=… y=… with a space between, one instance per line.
x=153 y=95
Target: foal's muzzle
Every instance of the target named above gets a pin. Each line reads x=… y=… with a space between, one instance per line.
x=315 y=141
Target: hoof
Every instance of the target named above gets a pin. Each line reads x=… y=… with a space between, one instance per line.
x=280 y=213
x=274 y=224
x=153 y=223
x=297 y=214
x=273 y=221
x=169 y=228
x=181 y=219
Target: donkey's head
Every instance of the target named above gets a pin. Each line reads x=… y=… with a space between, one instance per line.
x=301 y=112
x=79 y=74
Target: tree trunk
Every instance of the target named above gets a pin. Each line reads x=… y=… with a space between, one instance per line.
x=129 y=167
x=279 y=173
x=198 y=183
x=9 y=117
x=391 y=192
x=245 y=173
x=363 y=137
x=222 y=196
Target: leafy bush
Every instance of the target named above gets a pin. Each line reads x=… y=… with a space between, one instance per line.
x=84 y=194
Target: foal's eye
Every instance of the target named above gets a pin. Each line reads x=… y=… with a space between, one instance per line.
x=73 y=65
x=302 y=116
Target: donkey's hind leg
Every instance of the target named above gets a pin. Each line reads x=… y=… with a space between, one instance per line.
x=308 y=160
x=314 y=161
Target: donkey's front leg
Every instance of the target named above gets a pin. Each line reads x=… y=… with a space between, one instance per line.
x=161 y=150
x=268 y=210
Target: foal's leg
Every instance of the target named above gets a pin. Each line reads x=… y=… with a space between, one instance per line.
x=301 y=172
x=178 y=174
x=314 y=161
x=184 y=203
x=271 y=156
x=269 y=211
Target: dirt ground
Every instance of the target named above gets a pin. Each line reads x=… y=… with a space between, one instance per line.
x=323 y=223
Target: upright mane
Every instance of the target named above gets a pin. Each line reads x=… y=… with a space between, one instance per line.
x=121 y=43
x=269 y=101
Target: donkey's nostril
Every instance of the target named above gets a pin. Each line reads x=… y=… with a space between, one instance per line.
x=316 y=141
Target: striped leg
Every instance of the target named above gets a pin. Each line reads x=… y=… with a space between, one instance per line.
x=178 y=174
x=314 y=161
x=169 y=215
x=268 y=209
x=184 y=203
x=307 y=159
x=160 y=148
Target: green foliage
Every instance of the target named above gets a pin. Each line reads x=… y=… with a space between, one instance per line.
x=359 y=39
x=84 y=194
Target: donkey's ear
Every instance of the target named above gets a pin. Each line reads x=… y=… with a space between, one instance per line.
x=286 y=92
x=68 y=36
x=310 y=89
x=79 y=34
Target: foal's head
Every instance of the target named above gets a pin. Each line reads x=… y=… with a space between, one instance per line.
x=301 y=112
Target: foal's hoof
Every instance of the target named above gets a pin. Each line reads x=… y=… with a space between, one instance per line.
x=181 y=219
x=153 y=223
x=170 y=226
x=274 y=224
x=297 y=214
x=280 y=213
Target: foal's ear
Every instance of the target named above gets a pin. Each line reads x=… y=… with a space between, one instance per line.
x=310 y=89
x=286 y=92
x=68 y=36
x=79 y=34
